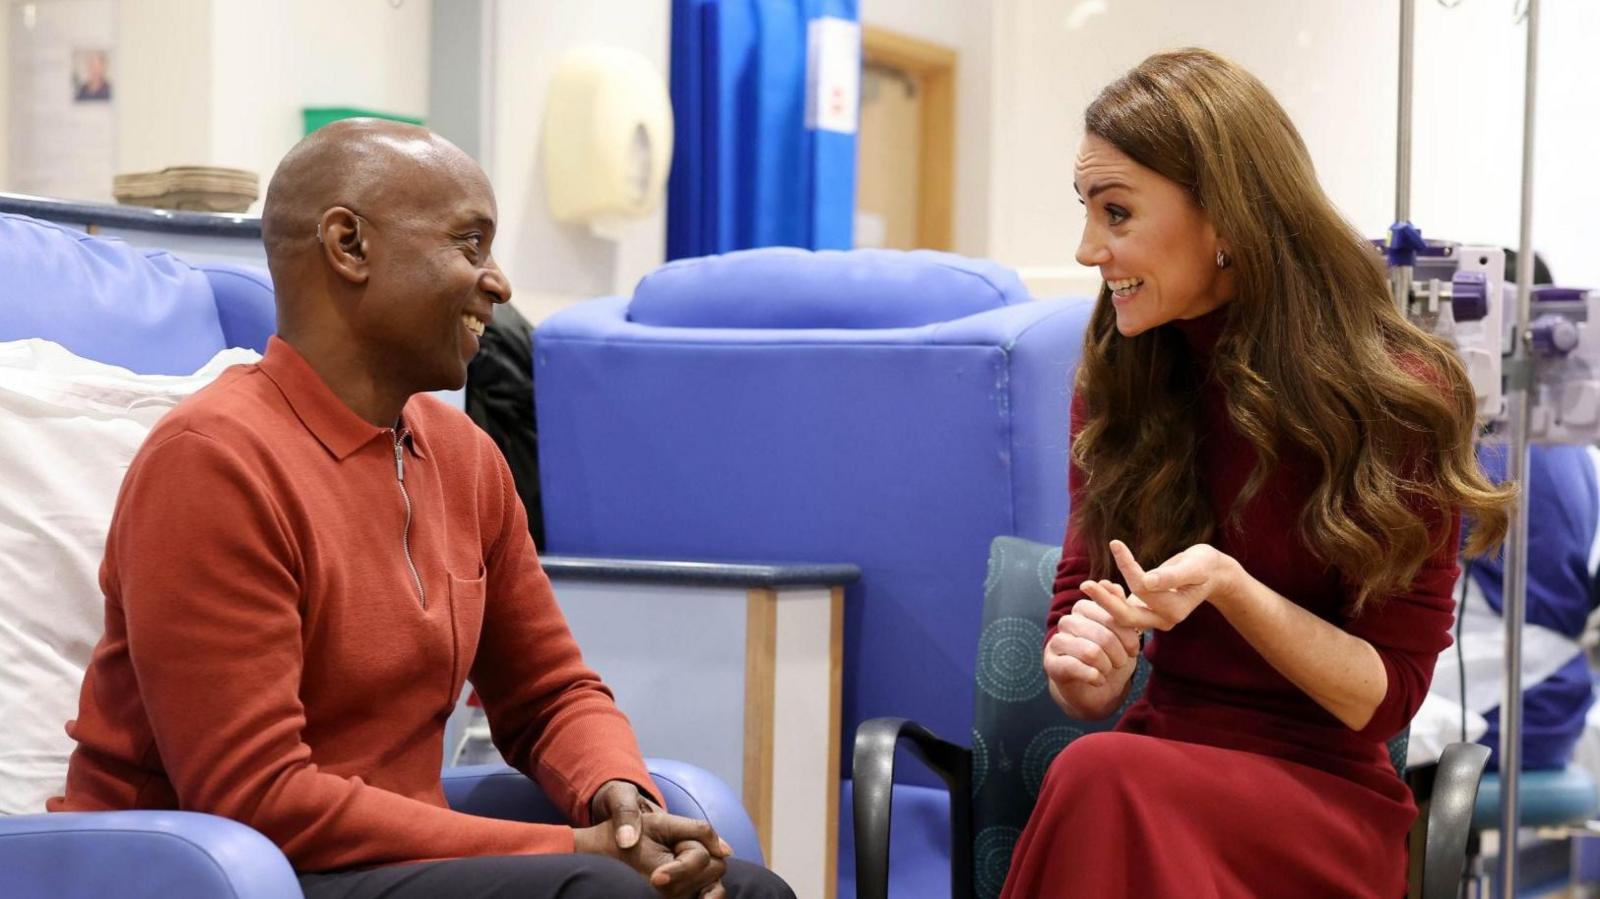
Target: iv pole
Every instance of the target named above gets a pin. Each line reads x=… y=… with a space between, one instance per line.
x=1518 y=370
x=1400 y=275
x=1519 y=382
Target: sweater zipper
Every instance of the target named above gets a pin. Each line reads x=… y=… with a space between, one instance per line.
x=405 y=535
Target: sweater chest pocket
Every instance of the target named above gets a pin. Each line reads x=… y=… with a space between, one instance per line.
x=466 y=617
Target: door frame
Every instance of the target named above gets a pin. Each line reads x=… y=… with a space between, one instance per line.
x=934 y=67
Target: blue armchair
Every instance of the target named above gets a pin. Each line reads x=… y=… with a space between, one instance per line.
x=890 y=410
x=154 y=313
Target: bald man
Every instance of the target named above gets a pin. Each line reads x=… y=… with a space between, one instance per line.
x=309 y=558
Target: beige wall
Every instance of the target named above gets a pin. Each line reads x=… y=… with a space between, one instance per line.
x=1027 y=69
x=61 y=147
x=1334 y=68
x=552 y=265
x=163 y=98
x=222 y=82
x=5 y=95
x=272 y=59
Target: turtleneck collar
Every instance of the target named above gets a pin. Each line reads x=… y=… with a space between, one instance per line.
x=1203 y=332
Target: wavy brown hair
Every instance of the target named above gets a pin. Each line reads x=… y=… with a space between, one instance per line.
x=1313 y=354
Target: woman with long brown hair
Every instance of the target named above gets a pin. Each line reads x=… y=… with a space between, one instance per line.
x=1254 y=416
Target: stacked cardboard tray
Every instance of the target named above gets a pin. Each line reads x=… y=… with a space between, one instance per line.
x=197 y=188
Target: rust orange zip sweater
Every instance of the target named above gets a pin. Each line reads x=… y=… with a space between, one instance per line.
x=285 y=637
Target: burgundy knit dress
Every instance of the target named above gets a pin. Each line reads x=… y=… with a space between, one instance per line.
x=1225 y=779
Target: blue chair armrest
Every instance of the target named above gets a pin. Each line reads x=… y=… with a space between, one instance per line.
x=697 y=793
x=497 y=791
x=139 y=855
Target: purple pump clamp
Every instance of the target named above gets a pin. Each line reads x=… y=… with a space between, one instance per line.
x=1550 y=294
x=1553 y=335
x=1469 y=296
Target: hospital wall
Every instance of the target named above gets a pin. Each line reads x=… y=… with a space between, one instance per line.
x=272 y=59
x=5 y=98
x=552 y=264
x=223 y=82
x=228 y=88
x=1334 y=66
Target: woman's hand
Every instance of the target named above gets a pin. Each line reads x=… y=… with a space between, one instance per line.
x=1164 y=596
x=1090 y=658
x=1342 y=672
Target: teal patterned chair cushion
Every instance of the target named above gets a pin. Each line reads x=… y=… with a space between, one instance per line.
x=1017 y=728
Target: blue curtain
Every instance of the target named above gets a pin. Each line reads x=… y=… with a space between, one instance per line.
x=746 y=170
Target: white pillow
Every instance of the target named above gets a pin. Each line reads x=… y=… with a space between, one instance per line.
x=69 y=428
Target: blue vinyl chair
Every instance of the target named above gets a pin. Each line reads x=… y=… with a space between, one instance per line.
x=885 y=409
x=153 y=313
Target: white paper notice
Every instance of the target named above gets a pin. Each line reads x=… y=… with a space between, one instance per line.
x=833 y=74
x=871 y=229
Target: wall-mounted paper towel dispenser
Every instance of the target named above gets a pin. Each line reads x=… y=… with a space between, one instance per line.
x=607 y=137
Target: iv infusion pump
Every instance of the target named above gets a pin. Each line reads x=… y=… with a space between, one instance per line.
x=1460 y=293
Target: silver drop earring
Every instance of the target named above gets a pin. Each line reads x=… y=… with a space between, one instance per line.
x=1222 y=259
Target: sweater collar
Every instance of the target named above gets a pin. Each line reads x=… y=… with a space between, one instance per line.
x=1203 y=333
x=335 y=425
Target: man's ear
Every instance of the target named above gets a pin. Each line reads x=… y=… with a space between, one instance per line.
x=343 y=236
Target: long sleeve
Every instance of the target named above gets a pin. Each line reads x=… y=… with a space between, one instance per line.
x=1410 y=628
x=549 y=713
x=1073 y=569
x=202 y=565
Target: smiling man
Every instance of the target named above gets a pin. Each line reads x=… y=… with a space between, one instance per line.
x=308 y=559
